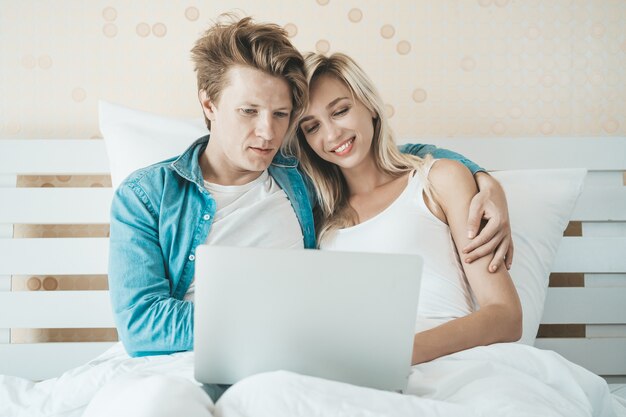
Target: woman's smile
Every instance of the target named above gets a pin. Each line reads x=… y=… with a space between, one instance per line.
x=344 y=148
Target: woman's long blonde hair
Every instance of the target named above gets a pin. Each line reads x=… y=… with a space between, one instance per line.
x=334 y=210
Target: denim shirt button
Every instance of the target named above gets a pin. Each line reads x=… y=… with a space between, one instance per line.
x=192 y=257
x=206 y=216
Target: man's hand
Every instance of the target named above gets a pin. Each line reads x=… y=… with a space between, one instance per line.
x=489 y=204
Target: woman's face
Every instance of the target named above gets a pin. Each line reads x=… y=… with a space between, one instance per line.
x=337 y=126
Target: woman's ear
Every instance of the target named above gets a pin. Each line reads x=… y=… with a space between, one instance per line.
x=207 y=105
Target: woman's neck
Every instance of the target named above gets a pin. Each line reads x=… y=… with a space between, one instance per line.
x=365 y=178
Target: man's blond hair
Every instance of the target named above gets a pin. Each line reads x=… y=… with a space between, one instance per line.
x=263 y=46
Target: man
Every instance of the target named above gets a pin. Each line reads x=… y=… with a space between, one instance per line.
x=234 y=189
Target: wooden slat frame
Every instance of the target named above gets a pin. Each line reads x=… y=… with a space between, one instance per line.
x=606 y=156
x=573 y=306
x=55 y=205
x=605 y=356
x=73 y=256
x=23 y=157
x=54 y=256
x=593 y=153
x=40 y=309
x=6 y=231
x=91 y=205
x=591 y=254
x=601 y=204
x=33 y=157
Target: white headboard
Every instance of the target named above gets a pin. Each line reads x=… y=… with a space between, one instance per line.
x=599 y=305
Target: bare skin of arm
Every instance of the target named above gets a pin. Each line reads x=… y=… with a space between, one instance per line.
x=500 y=316
x=495 y=238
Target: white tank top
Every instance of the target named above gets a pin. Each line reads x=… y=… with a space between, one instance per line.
x=408 y=226
x=254 y=214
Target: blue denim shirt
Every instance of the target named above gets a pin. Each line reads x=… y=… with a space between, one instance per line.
x=159 y=215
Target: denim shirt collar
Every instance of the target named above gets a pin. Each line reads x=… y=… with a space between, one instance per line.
x=284 y=161
x=188 y=163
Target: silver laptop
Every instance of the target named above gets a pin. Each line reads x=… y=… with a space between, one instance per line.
x=342 y=316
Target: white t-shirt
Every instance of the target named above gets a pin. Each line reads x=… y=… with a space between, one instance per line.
x=408 y=226
x=254 y=214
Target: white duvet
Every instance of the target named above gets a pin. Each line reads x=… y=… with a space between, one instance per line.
x=497 y=380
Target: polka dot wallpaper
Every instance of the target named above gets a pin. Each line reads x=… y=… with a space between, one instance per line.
x=445 y=68
x=497 y=68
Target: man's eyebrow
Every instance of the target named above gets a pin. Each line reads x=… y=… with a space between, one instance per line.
x=331 y=104
x=250 y=104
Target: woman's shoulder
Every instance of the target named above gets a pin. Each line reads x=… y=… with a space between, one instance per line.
x=448 y=169
x=448 y=177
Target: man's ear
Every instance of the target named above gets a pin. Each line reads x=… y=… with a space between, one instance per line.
x=207 y=105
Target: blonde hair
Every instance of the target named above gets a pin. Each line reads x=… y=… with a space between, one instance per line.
x=332 y=190
x=263 y=46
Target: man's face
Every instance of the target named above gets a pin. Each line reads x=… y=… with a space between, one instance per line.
x=248 y=125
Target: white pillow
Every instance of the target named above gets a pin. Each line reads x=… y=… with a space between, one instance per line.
x=540 y=201
x=135 y=139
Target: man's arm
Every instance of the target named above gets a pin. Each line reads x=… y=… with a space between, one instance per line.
x=149 y=321
x=439 y=153
x=489 y=204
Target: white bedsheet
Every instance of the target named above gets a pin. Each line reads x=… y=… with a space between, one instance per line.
x=497 y=380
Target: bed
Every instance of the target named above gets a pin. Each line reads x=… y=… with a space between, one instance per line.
x=584 y=318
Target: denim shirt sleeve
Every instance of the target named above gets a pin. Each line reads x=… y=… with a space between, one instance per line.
x=423 y=150
x=149 y=320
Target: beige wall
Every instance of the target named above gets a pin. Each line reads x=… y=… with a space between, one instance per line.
x=445 y=67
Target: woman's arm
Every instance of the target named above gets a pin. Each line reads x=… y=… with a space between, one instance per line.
x=499 y=318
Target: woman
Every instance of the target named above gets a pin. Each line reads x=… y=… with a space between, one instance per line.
x=373 y=198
